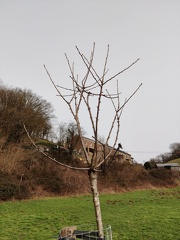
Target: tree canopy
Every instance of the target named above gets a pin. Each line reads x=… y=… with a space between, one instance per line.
x=165 y=157
x=18 y=107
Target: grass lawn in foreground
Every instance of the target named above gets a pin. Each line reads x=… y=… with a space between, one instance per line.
x=139 y=215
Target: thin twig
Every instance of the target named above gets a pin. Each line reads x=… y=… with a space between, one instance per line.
x=130 y=97
x=125 y=69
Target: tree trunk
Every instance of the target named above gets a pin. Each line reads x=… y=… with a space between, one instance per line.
x=97 y=208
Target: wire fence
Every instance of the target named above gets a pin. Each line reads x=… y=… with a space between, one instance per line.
x=84 y=232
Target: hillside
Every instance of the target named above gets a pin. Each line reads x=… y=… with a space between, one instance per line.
x=177 y=160
x=25 y=173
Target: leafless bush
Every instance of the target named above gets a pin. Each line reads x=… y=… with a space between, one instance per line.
x=12 y=188
x=10 y=159
x=164 y=177
x=126 y=176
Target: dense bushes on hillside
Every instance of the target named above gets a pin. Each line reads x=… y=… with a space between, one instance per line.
x=12 y=188
x=125 y=176
x=34 y=175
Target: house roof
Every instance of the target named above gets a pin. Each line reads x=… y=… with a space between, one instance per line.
x=108 y=146
x=167 y=165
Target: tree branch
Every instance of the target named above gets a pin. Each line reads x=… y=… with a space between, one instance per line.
x=122 y=71
x=46 y=155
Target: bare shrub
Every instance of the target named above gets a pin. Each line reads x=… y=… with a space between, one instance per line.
x=127 y=176
x=57 y=179
x=164 y=177
x=124 y=175
x=10 y=159
x=12 y=188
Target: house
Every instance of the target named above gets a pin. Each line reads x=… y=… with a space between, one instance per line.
x=49 y=147
x=170 y=166
x=121 y=156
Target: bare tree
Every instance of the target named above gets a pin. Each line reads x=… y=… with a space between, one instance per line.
x=62 y=134
x=19 y=106
x=80 y=94
x=175 y=149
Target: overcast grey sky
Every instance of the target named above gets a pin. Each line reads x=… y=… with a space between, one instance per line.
x=37 y=32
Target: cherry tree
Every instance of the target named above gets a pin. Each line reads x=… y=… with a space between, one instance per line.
x=79 y=95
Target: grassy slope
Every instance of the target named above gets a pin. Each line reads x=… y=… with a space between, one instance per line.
x=177 y=160
x=141 y=215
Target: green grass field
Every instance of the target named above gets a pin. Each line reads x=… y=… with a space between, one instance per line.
x=139 y=215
